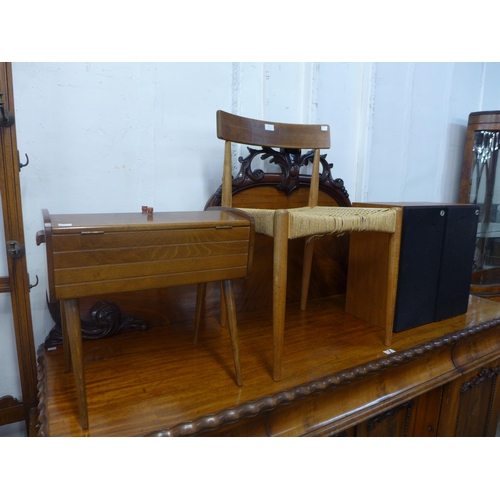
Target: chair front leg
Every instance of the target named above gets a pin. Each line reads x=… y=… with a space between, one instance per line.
x=280 y=258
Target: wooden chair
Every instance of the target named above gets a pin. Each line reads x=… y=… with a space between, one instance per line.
x=283 y=143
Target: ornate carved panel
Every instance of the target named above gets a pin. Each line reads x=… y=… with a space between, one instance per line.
x=289 y=180
x=106 y=320
x=394 y=422
x=475 y=409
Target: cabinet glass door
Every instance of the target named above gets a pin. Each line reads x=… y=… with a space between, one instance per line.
x=480 y=184
x=485 y=192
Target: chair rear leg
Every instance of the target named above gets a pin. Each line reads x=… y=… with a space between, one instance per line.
x=306 y=272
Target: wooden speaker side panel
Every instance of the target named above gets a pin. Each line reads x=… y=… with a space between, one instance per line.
x=373 y=276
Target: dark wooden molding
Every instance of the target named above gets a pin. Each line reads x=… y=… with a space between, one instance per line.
x=11 y=410
x=484 y=375
x=42 y=423
x=106 y=320
x=4 y=285
x=373 y=422
x=253 y=408
x=340 y=434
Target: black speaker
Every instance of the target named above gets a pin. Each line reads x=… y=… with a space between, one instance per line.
x=457 y=259
x=435 y=263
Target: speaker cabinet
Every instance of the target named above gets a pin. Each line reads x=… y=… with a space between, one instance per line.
x=435 y=264
x=429 y=278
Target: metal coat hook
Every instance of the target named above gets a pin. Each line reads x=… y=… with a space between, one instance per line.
x=36 y=283
x=21 y=165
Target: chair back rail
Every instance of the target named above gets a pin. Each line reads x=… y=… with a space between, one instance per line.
x=243 y=130
x=266 y=134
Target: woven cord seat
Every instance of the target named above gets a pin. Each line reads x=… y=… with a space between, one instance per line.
x=318 y=221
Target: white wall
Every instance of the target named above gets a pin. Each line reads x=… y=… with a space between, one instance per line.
x=110 y=137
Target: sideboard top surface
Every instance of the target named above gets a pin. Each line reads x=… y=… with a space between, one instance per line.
x=159 y=382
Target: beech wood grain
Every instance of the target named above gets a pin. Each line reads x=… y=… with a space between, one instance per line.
x=373 y=274
x=91 y=254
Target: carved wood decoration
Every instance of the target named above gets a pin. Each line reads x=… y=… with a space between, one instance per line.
x=484 y=385
x=290 y=162
x=375 y=421
x=106 y=320
x=17 y=283
x=340 y=434
x=484 y=375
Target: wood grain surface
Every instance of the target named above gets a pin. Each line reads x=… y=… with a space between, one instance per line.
x=335 y=373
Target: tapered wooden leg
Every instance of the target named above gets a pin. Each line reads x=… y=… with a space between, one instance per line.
x=200 y=299
x=233 y=329
x=306 y=272
x=71 y=311
x=223 y=311
x=64 y=329
x=280 y=257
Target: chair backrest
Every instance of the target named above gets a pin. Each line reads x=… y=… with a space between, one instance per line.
x=232 y=128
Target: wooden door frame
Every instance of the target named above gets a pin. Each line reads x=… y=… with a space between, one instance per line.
x=17 y=283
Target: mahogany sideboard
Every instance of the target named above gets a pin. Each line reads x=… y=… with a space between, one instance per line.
x=339 y=379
